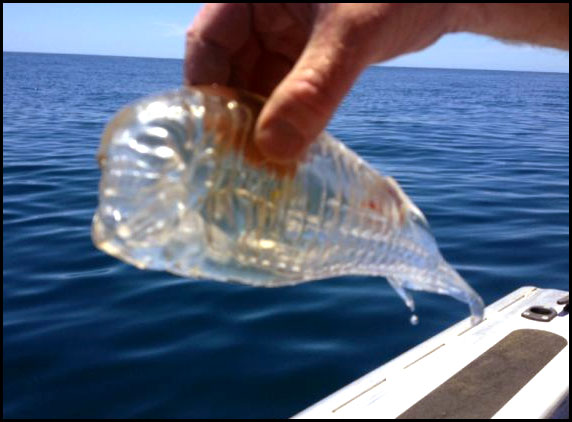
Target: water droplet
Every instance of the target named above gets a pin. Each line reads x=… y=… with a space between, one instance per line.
x=414 y=320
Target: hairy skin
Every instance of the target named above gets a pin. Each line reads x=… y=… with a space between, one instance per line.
x=305 y=57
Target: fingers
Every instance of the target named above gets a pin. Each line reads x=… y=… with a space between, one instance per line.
x=218 y=31
x=302 y=104
x=205 y=63
x=222 y=48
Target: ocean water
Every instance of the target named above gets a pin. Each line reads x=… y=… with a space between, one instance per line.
x=484 y=154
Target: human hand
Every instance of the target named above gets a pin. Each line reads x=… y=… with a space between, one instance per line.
x=306 y=57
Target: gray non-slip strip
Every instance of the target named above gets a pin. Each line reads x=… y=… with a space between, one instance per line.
x=482 y=388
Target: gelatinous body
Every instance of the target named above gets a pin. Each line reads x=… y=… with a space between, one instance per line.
x=184 y=189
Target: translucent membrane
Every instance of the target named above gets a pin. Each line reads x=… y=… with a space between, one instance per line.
x=184 y=189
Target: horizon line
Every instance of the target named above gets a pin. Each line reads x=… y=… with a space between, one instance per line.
x=375 y=64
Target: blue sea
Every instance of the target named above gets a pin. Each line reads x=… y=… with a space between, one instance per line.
x=484 y=154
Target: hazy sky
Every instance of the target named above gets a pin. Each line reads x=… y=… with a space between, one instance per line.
x=157 y=30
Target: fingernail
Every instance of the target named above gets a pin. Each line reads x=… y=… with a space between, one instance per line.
x=280 y=141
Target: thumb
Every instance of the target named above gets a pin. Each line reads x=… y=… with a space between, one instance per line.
x=303 y=103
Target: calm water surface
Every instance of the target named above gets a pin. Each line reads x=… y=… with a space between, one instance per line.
x=484 y=154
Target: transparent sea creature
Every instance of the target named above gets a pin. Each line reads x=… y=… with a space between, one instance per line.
x=184 y=189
